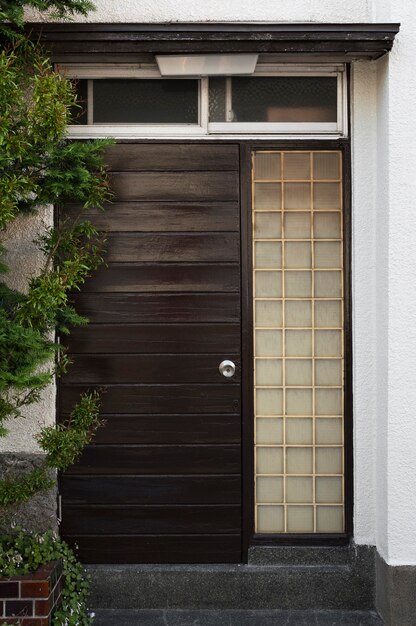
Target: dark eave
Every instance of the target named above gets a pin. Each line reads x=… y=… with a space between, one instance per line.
x=347 y=41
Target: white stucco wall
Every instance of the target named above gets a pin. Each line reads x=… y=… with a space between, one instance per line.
x=384 y=251
x=26 y=260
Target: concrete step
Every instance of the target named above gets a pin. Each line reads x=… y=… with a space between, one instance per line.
x=342 y=581
x=236 y=618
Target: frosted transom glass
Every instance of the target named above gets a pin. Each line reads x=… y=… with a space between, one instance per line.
x=298 y=317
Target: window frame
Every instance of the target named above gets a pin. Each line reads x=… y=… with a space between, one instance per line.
x=204 y=128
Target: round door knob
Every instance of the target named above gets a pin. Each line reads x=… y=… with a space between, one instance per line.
x=227 y=368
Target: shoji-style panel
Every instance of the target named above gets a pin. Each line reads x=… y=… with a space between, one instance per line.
x=298 y=341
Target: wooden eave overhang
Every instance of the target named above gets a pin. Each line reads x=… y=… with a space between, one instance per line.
x=341 y=41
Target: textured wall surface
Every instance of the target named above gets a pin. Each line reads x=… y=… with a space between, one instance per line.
x=231 y=11
x=26 y=260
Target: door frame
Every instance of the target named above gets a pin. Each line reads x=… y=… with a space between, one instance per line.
x=246 y=146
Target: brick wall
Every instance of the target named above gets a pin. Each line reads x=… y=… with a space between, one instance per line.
x=31 y=600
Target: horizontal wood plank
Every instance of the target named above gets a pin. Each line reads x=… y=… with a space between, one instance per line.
x=164 y=308
x=151 y=519
x=165 y=277
x=172 y=248
x=160 y=399
x=160 y=217
x=216 y=489
x=148 y=368
x=173 y=156
x=157 y=548
x=175 y=459
x=160 y=338
x=175 y=186
x=169 y=429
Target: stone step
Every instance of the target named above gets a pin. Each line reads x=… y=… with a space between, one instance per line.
x=342 y=582
x=236 y=618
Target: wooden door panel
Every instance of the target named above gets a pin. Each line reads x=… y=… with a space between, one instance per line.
x=161 y=482
x=163 y=489
x=147 y=338
x=136 y=308
x=130 y=368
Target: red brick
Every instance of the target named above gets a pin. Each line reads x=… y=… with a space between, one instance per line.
x=19 y=607
x=43 y=607
x=9 y=589
x=35 y=589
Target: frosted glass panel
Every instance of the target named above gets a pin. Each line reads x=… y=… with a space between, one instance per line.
x=297 y=225
x=268 y=313
x=328 y=489
x=298 y=313
x=326 y=196
x=327 y=225
x=298 y=401
x=328 y=313
x=269 y=401
x=267 y=166
x=269 y=431
x=328 y=460
x=268 y=225
x=328 y=402
x=269 y=460
x=269 y=489
x=270 y=519
x=298 y=372
x=298 y=284
x=298 y=254
x=268 y=254
x=268 y=372
x=328 y=372
x=268 y=342
x=297 y=166
x=299 y=489
x=146 y=101
x=268 y=284
x=298 y=342
x=299 y=431
x=329 y=519
x=328 y=284
x=328 y=343
x=300 y=519
x=326 y=166
x=328 y=431
x=297 y=196
x=267 y=196
x=299 y=461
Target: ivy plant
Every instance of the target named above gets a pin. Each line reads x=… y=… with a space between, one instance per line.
x=23 y=552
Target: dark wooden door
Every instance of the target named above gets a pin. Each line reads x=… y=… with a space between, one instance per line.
x=162 y=481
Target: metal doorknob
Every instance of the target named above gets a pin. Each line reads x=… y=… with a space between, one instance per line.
x=227 y=368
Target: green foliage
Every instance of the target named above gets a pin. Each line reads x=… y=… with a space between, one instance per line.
x=38 y=166
x=13 y=10
x=22 y=553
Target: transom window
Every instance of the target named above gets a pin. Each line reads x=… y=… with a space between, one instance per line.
x=276 y=99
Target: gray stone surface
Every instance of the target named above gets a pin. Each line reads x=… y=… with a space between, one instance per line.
x=396 y=593
x=347 y=586
x=236 y=618
x=39 y=514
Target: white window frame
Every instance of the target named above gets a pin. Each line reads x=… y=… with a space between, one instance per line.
x=204 y=128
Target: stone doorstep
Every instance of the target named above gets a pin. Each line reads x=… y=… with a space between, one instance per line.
x=236 y=618
x=345 y=580
x=30 y=600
